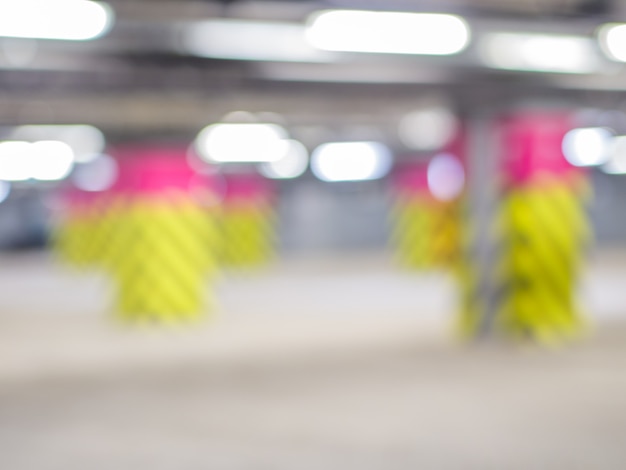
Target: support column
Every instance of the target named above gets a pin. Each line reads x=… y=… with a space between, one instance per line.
x=429 y=196
x=425 y=229
x=479 y=278
x=528 y=238
x=247 y=220
x=545 y=200
x=162 y=248
x=77 y=237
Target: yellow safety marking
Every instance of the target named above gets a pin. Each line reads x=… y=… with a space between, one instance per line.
x=426 y=233
x=161 y=252
x=246 y=234
x=542 y=229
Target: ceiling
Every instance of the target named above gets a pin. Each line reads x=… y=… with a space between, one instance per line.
x=136 y=82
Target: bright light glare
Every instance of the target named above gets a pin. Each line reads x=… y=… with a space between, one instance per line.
x=50 y=160
x=539 y=52
x=5 y=190
x=351 y=161
x=87 y=142
x=224 y=143
x=446 y=177
x=251 y=40
x=587 y=146
x=15 y=161
x=291 y=165
x=99 y=174
x=616 y=164
x=388 y=32
x=46 y=160
x=427 y=129
x=612 y=37
x=74 y=20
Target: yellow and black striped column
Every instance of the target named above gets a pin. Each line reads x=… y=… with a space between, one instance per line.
x=548 y=229
x=246 y=221
x=162 y=248
x=537 y=236
x=426 y=229
x=79 y=236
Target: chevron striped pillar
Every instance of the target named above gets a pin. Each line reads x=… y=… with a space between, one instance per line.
x=80 y=233
x=425 y=231
x=537 y=235
x=429 y=195
x=246 y=220
x=163 y=243
x=547 y=222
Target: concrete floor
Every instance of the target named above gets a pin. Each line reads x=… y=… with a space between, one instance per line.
x=288 y=378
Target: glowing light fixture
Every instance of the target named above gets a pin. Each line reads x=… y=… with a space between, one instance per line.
x=251 y=40
x=388 y=32
x=15 y=163
x=46 y=160
x=427 y=129
x=72 y=20
x=87 y=142
x=50 y=160
x=293 y=164
x=616 y=166
x=612 y=38
x=98 y=174
x=446 y=177
x=587 y=146
x=616 y=163
x=225 y=142
x=539 y=52
x=351 y=161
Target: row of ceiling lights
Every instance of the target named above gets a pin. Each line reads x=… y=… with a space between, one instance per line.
x=54 y=152
x=247 y=138
x=268 y=144
x=50 y=153
x=327 y=34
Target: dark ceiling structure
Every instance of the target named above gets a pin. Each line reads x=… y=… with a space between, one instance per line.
x=138 y=80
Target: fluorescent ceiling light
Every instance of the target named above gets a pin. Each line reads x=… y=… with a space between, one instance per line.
x=86 y=141
x=351 y=161
x=15 y=162
x=539 y=52
x=293 y=164
x=251 y=40
x=73 y=20
x=388 y=32
x=587 y=146
x=446 y=177
x=229 y=143
x=616 y=164
x=50 y=160
x=612 y=37
x=46 y=160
